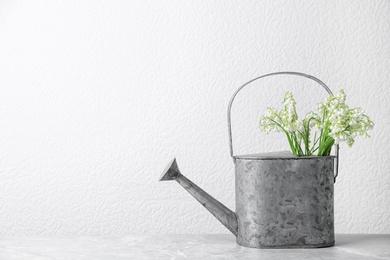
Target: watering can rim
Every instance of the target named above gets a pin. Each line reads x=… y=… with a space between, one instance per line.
x=282 y=155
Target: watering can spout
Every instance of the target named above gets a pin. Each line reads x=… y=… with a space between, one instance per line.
x=221 y=212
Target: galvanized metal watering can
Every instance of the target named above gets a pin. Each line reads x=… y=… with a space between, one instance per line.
x=282 y=201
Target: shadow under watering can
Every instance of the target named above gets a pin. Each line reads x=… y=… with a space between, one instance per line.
x=282 y=201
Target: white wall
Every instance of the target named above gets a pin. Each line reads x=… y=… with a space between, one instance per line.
x=97 y=96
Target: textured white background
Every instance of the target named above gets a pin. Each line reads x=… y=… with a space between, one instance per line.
x=97 y=96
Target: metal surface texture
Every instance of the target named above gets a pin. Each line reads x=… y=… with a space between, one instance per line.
x=285 y=202
x=282 y=201
x=268 y=75
x=216 y=208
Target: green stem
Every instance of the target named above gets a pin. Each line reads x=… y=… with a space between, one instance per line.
x=289 y=138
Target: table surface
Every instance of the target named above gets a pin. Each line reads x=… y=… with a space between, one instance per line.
x=183 y=247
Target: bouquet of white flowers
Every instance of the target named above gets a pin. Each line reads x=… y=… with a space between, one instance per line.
x=335 y=122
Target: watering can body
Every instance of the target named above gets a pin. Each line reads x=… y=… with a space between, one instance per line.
x=282 y=201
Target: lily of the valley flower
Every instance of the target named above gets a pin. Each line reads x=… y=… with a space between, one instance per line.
x=334 y=123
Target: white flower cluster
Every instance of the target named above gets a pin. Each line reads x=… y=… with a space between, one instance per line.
x=286 y=119
x=344 y=123
x=313 y=120
x=335 y=123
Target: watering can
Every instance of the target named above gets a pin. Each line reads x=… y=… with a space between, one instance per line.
x=282 y=201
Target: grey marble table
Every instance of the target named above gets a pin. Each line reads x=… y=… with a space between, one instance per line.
x=183 y=247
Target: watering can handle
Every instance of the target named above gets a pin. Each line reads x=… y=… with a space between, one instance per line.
x=267 y=75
